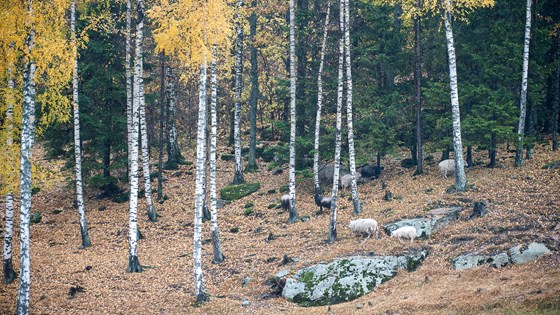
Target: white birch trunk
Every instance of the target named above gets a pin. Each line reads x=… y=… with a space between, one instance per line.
x=133 y=263
x=139 y=79
x=337 y=149
x=8 y=267
x=292 y=176
x=320 y=102
x=460 y=177
x=524 y=75
x=86 y=241
x=128 y=86
x=216 y=243
x=351 y=153
x=27 y=138
x=201 y=295
x=238 y=169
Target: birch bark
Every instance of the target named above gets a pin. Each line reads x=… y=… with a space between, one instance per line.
x=292 y=176
x=349 y=117
x=524 y=75
x=86 y=241
x=337 y=149
x=320 y=101
x=133 y=263
x=27 y=139
x=216 y=243
x=8 y=267
x=238 y=171
x=201 y=295
x=460 y=177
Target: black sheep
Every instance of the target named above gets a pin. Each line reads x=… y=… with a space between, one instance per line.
x=321 y=202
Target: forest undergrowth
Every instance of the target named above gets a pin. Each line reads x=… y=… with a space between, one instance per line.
x=523 y=203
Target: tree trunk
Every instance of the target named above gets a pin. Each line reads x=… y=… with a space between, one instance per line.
x=334 y=194
x=320 y=102
x=469 y=156
x=133 y=263
x=86 y=241
x=530 y=132
x=251 y=163
x=27 y=138
x=460 y=177
x=129 y=96
x=216 y=243
x=493 y=151
x=139 y=79
x=418 y=90
x=174 y=156
x=351 y=153
x=238 y=169
x=524 y=75
x=555 y=108
x=201 y=295
x=8 y=267
x=292 y=176
x=161 y=124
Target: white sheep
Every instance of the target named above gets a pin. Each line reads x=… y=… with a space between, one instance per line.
x=286 y=202
x=365 y=226
x=346 y=180
x=405 y=232
x=447 y=166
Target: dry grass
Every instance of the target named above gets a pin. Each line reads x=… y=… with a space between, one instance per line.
x=524 y=207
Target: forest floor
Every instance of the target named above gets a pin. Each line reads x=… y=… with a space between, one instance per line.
x=524 y=206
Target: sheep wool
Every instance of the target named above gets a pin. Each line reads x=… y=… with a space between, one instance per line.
x=286 y=202
x=405 y=232
x=446 y=166
x=365 y=226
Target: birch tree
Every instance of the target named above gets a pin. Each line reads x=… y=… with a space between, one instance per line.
x=292 y=176
x=27 y=139
x=460 y=177
x=138 y=95
x=238 y=168
x=129 y=96
x=349 y=117
x=139 y=85
x=8 y=267
x=339 y=99
x=216 y=243
x=320 y=102
x=86 y=241
x=201 y=295
x=523 y=97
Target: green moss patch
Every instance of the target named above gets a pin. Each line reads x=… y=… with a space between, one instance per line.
x=235 y=192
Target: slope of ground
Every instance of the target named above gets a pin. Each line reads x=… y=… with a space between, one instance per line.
x=524 y=206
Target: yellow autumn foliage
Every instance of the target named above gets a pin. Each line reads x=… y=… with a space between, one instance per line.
x=187 y=29
x=53 y=57
x=458 y=8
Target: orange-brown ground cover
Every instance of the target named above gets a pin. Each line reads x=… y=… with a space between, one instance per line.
x=524 y=207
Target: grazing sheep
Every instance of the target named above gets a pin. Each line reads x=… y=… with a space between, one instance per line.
x=286 y=202
x=346 y=180
x=365 y=226
x=369 y=171
x=447 y=166
x=326 y=173
x=321 y=202
x=405 y=232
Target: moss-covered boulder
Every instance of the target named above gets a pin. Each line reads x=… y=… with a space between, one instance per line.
x=346 y=279
x=235 y=192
